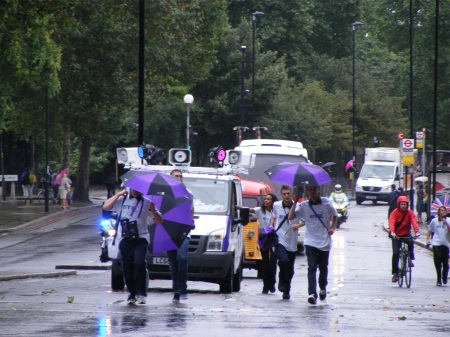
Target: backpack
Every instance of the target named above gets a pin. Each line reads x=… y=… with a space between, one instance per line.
x=24 y=178
x=31 y=178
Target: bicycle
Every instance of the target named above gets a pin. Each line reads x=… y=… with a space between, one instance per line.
x=405 y=270
x=41 y=193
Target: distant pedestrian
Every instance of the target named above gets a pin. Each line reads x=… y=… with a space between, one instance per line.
x=421 y=206
x=64 y=189
x=440 y=228
x=111 y=184
x=393 y=199
x=27 y=186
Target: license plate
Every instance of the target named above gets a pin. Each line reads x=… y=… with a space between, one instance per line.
x=371 y=197
x=161 y=261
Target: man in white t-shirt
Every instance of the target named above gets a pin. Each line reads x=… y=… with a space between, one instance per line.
x=286 y=247
x=316 y=214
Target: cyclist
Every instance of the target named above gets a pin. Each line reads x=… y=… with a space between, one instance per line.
x=400 y=222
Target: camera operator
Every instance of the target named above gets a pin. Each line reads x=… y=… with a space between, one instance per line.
x=136 y=213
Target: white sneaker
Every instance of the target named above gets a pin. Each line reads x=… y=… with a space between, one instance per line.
x=141 y=299
x=131 y=300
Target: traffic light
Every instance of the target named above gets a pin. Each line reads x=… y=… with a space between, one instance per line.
x=217 y=155
x=376 y=141
x=152 y=154
x=180 y=156
x=193 y=137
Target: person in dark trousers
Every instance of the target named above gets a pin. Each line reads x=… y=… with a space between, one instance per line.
x=111 y=184
x=178 y=258
x=136 y=213
x=400 y=222
x=393 y=199
x=286 y=248
x=320 y=218
x=439 y=229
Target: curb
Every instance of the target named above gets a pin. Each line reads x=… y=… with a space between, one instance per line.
x=38 y=275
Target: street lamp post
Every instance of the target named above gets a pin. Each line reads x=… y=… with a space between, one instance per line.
x=243 y=48
x=354 y=25
x=254 y=16
x=259 y=130
x=188 y=100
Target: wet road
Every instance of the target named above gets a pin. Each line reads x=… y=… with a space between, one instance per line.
x=361 y=299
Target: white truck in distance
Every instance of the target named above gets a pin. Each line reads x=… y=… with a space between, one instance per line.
x=379 y=172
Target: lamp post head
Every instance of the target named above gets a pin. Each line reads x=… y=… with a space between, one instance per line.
x=188 y=99
x=256 y=14
x=356 y=24
x=243 y=48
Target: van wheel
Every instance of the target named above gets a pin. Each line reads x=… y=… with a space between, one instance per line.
x=117 y=281
x=226 y=284
x=237 y=278
x=359 y=201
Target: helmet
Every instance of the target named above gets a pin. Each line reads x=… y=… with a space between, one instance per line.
x=337 y=188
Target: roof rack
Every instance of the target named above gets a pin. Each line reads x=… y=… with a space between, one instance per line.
x=191 y=169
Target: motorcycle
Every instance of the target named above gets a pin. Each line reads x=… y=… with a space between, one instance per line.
x=341 y=205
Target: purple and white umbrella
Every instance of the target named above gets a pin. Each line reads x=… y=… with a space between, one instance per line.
x=298 y=174
x=152 y=183
x=177 y=223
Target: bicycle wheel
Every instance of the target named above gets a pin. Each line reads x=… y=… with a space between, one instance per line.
x=401 y=271
x=407 y=270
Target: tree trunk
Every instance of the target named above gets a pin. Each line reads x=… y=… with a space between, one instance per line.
x=81 y=186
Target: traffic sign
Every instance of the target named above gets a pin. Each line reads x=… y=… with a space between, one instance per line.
x=419 y=135
x=401 y=135
x=408 y=144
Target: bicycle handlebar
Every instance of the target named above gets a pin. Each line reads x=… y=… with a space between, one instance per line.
x=406 y=237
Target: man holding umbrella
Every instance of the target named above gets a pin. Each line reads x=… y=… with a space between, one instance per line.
x=135 y=214
x=178 y=258
x=316 y=214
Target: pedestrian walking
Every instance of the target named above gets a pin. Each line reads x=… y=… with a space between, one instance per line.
x=27 y=185
x=393 y=199
x=178 y=258
x=136 y=213
x=421 y=206
x=64 y=188
x=269 y=260
x=320 y=217
x=111 y=185
x=286 y=248
x=437 y=236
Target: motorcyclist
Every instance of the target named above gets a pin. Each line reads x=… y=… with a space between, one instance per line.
x=338 y=195
x=340 y=202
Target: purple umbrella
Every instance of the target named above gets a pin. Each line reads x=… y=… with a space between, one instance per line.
x=177 y=223
x=154 y=183
x=297 y=174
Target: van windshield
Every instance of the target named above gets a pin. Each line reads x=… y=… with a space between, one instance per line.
x=210 y=195
x=377 y=171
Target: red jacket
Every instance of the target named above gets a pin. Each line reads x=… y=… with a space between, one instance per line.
x=404 y=228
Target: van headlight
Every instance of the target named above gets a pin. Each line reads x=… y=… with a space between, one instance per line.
x=386 y=188
x=215 y=241
x=358 y=188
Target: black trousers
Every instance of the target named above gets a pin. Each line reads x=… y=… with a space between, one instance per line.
x=440 y=258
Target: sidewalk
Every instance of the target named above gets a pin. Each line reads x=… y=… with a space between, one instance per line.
x=15 y=213
x=17 y=216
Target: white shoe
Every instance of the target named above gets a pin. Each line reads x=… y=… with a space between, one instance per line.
x=141 y=299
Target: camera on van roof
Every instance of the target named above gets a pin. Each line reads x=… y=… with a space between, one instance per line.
x=152 y=154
